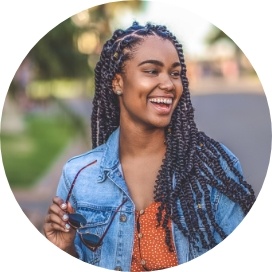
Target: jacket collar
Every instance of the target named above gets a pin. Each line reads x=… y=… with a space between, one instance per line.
x=110 y=158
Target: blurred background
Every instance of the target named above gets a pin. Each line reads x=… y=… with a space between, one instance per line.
x=46 y=115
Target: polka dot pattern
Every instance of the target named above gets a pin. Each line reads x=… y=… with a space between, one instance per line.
x=150 y=251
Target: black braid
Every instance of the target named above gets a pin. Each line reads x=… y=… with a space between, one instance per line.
x=193 y=157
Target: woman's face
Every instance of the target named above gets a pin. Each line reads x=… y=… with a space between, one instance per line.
x=151 y=84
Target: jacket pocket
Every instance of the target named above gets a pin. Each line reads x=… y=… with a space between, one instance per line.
x=98 y=219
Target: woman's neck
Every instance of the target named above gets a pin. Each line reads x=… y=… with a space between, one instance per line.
x=141 y=156
x=140 y=142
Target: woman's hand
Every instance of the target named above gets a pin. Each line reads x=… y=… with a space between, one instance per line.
x=56 y=228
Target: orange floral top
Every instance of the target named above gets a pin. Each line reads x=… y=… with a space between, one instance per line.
x=150 y=251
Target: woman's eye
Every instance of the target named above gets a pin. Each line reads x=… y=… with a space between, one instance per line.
x=151 y=72
x=175 y=74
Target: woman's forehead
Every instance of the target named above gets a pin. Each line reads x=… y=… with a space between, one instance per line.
x=155 y=46
x=154 y=41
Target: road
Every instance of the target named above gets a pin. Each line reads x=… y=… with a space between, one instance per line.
x=242 y=123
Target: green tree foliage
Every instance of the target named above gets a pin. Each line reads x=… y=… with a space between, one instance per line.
x=56 y=55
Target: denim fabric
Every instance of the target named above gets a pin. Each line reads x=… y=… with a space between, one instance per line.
x=101 y=188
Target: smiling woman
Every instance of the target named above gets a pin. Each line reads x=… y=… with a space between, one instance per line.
x=154 y=191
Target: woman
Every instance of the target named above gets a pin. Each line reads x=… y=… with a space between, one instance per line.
x=154 y=192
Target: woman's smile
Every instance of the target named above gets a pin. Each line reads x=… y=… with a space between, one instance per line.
x=163 y=105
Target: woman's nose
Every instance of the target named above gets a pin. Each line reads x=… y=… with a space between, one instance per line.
x=166 y=83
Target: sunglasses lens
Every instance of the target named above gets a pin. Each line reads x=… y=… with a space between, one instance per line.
x=90 y=240
x=77 y=220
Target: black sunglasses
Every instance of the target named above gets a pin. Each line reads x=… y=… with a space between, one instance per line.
x=79 y=222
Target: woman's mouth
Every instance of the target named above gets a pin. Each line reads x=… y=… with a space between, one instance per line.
x=161 y=100
x=162 y=104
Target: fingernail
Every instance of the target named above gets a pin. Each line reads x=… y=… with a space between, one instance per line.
x=67 y=226
x=65 y=217
x=63 y=206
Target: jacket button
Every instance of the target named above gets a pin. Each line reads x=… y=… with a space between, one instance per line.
x=118 y=268
x=123 y=218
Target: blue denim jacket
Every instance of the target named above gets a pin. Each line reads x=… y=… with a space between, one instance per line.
x=101 y=188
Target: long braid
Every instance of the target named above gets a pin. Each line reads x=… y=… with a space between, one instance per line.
x=191 y=156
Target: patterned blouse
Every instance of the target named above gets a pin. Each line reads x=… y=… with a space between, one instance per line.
x=150 y=251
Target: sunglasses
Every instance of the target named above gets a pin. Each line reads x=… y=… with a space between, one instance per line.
x=79 y=222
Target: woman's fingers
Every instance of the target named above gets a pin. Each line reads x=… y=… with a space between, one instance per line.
x=56 y=222
x=60 y=202
x=65 y=207
x=57 y=217
x=55 y=209
x=56 y=227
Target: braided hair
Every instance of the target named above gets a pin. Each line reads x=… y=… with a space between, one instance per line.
x=192 y=156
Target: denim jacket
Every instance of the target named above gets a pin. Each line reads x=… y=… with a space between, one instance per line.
x=101 y=188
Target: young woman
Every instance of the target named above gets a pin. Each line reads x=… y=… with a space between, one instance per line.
x=154 y=192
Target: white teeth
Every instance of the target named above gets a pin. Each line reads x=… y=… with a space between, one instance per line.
x=161 y=100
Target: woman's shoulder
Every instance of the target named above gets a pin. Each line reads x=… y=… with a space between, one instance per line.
x=229 y=152
x=221 y=153
x=215 y=149
x=90 y=157
x=104 y=156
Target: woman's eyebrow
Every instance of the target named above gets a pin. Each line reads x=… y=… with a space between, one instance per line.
x=151 y=61
x=158 y=63
x=176 y=64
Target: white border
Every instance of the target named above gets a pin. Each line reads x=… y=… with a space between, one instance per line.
x=24 y=22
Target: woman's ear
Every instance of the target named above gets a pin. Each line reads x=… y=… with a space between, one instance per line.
x=117 y=84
